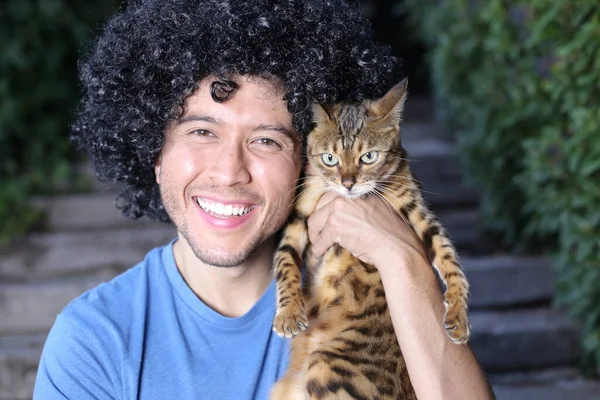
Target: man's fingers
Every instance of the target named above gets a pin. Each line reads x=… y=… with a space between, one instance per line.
x=317 y=220
x=327 y=198
x=316 y=224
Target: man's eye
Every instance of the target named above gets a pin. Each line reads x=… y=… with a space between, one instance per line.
x=201 y=132
x=267 y=142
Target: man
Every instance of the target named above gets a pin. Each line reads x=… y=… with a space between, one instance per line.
x=199 y=108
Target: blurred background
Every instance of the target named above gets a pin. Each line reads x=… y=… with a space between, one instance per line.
x=502 y=127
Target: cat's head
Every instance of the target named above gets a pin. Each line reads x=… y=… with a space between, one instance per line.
x=356 y=147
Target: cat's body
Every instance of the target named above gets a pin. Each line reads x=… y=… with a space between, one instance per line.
x=346 y=346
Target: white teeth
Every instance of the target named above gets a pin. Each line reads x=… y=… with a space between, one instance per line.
x=222 y=209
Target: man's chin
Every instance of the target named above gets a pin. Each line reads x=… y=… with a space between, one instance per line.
x=227 y=253
x=224 y=258
x=222 y=262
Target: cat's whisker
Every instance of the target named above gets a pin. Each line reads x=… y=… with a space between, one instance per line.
x=381 y=198
x=298 y=182
x=297 y=188
x=382 y=194
x=396 y=178
x=317 y=185
x=412 y=178
x=296 y=197
x=410 y=160
x=300 y=193
x=396 y=195
x=303 y=180
x=397 y=211
x=420 y=190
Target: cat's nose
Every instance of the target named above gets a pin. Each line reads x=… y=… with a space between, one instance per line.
x=348 y=184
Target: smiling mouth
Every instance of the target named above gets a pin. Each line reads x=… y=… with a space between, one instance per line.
x=220 y=210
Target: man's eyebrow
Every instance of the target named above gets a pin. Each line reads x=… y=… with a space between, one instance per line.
x=260 y=127
x=278 y=128
x=204 y=118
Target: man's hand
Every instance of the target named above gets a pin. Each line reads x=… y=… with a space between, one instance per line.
x=368 y=228
x=376 y=234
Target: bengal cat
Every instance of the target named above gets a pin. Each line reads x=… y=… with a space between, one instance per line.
x=346 y=347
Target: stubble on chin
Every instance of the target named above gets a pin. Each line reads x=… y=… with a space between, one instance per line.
x=217 y=258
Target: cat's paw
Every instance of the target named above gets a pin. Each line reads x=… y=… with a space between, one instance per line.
x=456 y=323
x=290 y=321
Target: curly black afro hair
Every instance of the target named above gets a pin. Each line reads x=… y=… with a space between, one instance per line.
x=153 y=53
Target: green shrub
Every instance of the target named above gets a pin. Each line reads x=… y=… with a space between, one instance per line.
x=40 y=42
x=481 y=77
x=561 y=178
x=519 y=84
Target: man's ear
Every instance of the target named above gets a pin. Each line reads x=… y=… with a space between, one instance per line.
x=157 y=166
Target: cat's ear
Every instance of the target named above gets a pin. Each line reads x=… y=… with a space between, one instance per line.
x=391 y=105
x=320 y=114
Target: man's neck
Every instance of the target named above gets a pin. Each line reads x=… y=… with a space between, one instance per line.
x=230 y=291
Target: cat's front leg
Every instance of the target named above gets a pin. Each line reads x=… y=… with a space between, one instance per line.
x=445 y=261
x=290 y=318
x=444 y=258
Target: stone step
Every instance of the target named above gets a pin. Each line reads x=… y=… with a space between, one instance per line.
x=441 y=196
x=503 y=281
x=413 y=130
x=563 y=391
x=434 y=163
x=545 y=384
x=419 y=108
x=82 y=211
x=542 y=376
x=463 y=226
x=19 y=358
x=515 y=340
x=43 y=256
x=32 y=307
x=578 y=390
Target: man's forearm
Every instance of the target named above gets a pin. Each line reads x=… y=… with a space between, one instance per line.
x=438 y=368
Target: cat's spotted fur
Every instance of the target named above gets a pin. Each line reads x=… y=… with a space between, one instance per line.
x=345 y=346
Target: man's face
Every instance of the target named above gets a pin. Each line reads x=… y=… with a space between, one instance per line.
x=228 y=171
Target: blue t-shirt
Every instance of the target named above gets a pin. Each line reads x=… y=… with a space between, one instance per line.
x=146 y=335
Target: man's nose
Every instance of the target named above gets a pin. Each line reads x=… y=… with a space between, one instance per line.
x=229 y=166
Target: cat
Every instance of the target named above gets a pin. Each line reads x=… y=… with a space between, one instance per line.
x=344 y=345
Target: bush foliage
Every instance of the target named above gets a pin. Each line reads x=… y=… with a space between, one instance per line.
x=40 y=42
x=519 y=84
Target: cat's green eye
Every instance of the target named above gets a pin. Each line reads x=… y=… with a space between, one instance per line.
x=369 y=157
x=329 y=159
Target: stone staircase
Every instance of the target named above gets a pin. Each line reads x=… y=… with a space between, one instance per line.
x=528 y=349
